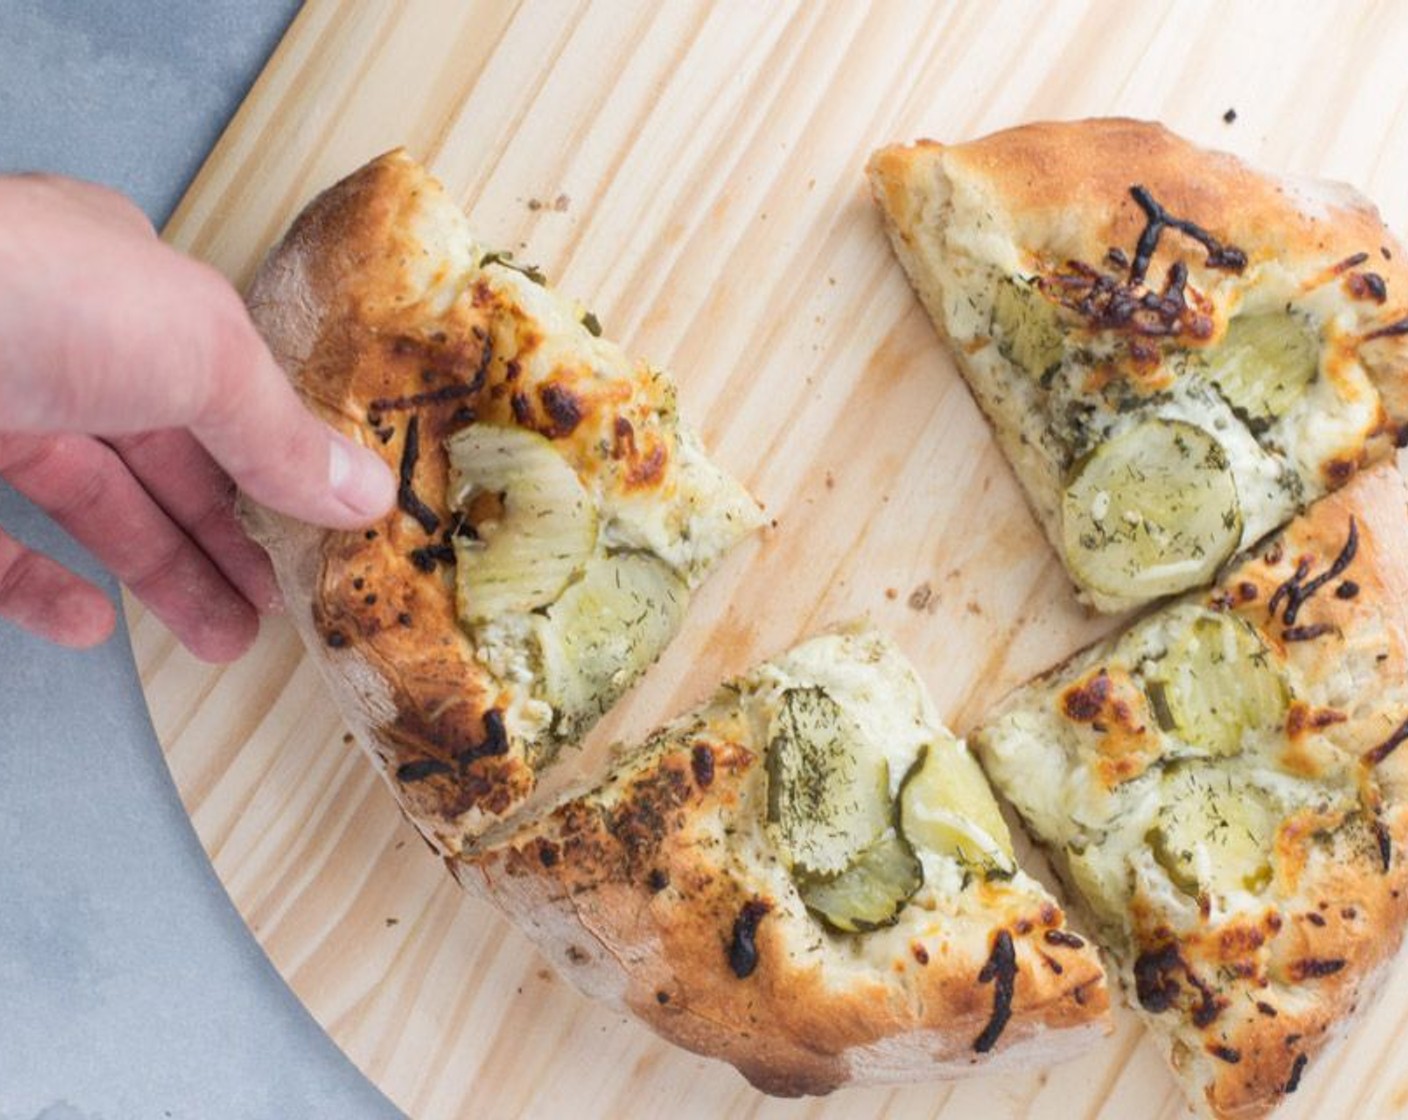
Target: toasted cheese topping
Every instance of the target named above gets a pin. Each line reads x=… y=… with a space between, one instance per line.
x=849 y=960
x=1093 y=278
x=553 y=512
x=1213 y=783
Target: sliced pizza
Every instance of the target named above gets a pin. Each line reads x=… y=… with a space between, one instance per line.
x=1176 y=352
x=1222 y=786
x=554 y=513
x=807 y=877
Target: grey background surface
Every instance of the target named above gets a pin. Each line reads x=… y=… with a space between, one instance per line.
x=129 y=987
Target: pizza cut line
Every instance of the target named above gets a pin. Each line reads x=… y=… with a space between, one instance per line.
x=1221 y=786
x=1178 y=355
x=807 y=877
x=553 y=511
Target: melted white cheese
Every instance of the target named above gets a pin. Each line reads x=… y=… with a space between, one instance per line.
x=1049 y=768
x=967 y=251
x=868 y=677
x=688 y=521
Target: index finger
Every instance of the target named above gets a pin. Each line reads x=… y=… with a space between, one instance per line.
x=198 y=496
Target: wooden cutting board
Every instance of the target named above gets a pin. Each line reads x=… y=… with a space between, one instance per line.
x=693 y=172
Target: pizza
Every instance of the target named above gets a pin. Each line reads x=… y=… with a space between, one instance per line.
x=1176 y=353
x=809 y=878
x=554 y=512
x=1222 y=787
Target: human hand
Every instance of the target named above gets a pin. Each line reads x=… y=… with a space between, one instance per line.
x=135 y=394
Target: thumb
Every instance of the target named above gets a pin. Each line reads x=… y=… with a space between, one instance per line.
x=282 y=456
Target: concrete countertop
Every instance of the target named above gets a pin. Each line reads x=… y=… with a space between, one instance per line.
x=130 y=987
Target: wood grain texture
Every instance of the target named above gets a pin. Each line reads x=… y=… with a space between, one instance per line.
x=693 y=172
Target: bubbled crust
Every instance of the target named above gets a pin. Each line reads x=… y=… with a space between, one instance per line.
x=376 y=306
x=1060 y=190
x=382 y=630
x=636 y=891
x=1064 y=185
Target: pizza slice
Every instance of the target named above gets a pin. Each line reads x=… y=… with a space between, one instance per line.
x=807 y=877
x=1222 y=786
x=1176 y=352
x=554 y=512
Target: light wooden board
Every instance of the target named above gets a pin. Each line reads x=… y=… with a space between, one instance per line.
x=693 y=172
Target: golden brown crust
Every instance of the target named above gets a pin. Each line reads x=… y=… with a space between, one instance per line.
x=1067 y=186
x=349 y=322
x=655 y=893
x=1071 y=179
x=399 y=331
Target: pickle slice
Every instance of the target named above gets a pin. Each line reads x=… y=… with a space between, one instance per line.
x=1263 y=364
x=1216 y=684
x=1150 y=512
x=870 y=892
x=1027 y=327
x=828 y=789
x=603 y=632
x=1103 y=885
x=946 y=806
x=1214 y=833
x=535 y=525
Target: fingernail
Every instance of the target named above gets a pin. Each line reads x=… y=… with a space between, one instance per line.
x=359 y=480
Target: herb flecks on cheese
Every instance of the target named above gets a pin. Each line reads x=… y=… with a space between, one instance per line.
x=1151 y=510
x=852 y=842
x=554 y=512
x=588 y=512
x=1219 y=785
x=816 y=874
x=1095 y=277
x=828 y=789
x=602 y=632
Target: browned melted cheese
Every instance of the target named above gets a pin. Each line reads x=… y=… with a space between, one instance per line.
x=672 y=866
x=409 y=381
x=407 y=371
x=1246 y=994
x=1110 y=710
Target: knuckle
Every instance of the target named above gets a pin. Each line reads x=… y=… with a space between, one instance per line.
x=114 y=204
x=22 y=456
x=95 y=198
x=137 y=443
x=300 y=456
x=234 y=354
x=148 y=453
x=20 y=576
x=42 y=465
x=54 y=473
x=85 y=495
x=157 y=566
